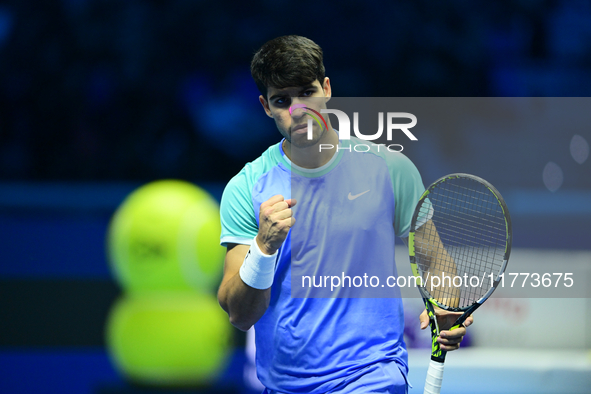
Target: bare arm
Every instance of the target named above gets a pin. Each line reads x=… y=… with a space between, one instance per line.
x=245 y=305
x=438 y=262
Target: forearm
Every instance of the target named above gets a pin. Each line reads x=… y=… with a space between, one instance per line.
x=438 y=263
x=249 y=270
x=245 y=305
x=440 y=281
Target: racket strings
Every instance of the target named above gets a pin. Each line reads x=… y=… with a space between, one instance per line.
x=466 y=238
x=466 y=254
x=467 y=222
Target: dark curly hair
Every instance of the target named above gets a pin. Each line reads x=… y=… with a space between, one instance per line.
x=287 y=61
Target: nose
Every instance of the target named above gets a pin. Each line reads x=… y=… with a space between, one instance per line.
x=297 y=110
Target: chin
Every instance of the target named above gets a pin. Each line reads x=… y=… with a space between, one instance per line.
x=301 y=141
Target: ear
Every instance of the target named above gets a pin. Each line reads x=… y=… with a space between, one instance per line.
x=327 y=89
x=265 y=105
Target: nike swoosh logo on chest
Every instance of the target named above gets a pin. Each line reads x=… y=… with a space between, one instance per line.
x=351 y=197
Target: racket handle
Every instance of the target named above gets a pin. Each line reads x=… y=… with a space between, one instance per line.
x=434 y=378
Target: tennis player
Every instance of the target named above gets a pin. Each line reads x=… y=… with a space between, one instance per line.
x=316 y=345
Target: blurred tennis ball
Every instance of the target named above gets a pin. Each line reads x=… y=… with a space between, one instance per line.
x=165 y=236
x=169 y=339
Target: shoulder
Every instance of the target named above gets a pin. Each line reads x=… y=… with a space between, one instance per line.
x=254 y=170
x=238 y=211
x=390 y=154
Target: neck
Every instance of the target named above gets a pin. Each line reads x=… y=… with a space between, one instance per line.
x=312 y=156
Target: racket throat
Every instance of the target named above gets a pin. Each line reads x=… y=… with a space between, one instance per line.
x=437 y=354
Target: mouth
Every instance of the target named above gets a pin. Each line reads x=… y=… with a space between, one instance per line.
x=302 y=128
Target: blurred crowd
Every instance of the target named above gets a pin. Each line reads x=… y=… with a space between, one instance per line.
x=137 y=90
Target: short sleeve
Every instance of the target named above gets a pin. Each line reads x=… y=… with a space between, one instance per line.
x=239 y=224
x=408 y=188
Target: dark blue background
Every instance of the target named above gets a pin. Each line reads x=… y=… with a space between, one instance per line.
x=100 y=96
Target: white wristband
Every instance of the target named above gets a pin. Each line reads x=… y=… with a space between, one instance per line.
x=258 y=269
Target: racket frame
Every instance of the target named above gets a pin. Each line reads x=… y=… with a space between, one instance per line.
x=437 y=354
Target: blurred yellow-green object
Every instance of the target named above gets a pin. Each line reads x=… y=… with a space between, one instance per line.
x=169 y=339
x=165 y=236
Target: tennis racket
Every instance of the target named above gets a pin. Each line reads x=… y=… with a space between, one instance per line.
x=461 y=228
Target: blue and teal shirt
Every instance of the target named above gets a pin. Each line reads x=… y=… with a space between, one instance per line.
x=314 y=339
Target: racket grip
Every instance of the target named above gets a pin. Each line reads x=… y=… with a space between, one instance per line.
x=434 y=378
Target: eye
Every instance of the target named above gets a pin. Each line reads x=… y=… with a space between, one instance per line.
x=308 y=93
x=282 y=101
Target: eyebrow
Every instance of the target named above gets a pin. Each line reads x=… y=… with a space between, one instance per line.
x=282 y=94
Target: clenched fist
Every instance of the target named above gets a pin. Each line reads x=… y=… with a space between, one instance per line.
x=275 y=220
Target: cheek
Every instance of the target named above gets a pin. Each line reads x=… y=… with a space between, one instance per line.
x=282 y=120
